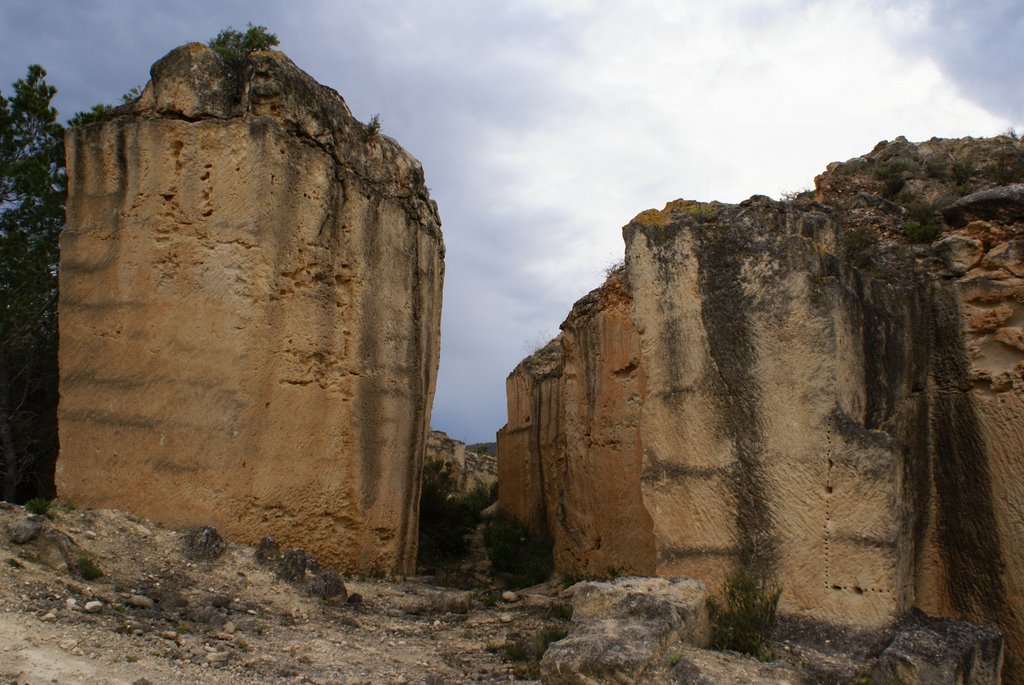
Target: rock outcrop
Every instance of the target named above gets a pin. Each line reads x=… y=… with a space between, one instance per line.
x=799 y=389
x=469 y=469
x=620 y=629
x=249 y=307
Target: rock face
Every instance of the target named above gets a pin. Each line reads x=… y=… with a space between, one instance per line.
x=469 y=469
x=795 y=388
x=249 y=306
x=570 y=457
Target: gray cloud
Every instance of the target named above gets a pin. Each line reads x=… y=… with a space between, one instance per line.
x=980 y=45
x=543 y=130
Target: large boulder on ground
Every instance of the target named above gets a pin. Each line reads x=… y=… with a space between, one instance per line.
x=623 y=627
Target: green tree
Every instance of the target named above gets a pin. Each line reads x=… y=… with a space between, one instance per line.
x=234 y=47
x=32 y=192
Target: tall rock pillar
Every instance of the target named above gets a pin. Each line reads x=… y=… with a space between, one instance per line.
x=250 y=296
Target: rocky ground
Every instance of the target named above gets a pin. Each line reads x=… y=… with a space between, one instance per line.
x=160 y=613
x=156 y=617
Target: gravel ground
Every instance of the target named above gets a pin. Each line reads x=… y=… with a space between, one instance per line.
x=156 y=617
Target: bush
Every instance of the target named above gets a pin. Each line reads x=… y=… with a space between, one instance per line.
x=526 y=651
x=234 y=47
x=963 y=171
x=39 y=506
x=922 y=222
x=373 y=128
x=446 y=516
x=858 y=244
x=893 y=174
x=513 y=551
x=87 y=568
x=745 y=621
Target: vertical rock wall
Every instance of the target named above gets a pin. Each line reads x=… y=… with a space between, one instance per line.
x=569 y=459
x=250 y=303
x=816 y=397
x=761 y=448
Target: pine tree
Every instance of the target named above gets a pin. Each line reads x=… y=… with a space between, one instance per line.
x=32 y=192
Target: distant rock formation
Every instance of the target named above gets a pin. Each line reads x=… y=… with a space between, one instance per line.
x=469 y=469
x=799 y=389
x=250 y=298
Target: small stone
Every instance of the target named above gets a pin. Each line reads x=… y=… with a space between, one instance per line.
x=140 y=602
x=293 y=565
x=93 y=607
x=90 y=535
x=216 y=657
x=169 y=635
x=67 y=645
x=204 y=543
x=219 y=601
x=453 y=603
x=229 y=627
x=72 y=604
x=49 y=616
x=327 y=585
x=509 y=596
x=505 y=617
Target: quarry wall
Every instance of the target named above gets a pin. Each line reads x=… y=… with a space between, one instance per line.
x=800 y=391
x=250 y=295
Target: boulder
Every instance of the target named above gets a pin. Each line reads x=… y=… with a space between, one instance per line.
x=623 y=628
x=204 y=543
x=929 y=651
x=25 y=530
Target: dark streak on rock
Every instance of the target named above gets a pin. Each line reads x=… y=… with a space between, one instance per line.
x=726 y=314
x=966 y=518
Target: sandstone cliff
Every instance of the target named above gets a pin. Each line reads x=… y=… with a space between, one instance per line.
x=798 y=388
x=469 y=469
x=249 y=308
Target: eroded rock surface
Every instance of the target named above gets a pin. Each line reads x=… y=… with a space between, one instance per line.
x=800 y=389
x=249 y=303
x=469 y=469
x=621 y=628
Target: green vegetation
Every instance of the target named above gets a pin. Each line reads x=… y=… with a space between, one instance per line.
x=858 y=244
x=483 y=447
x=526 y=651
x=447 y=517
x=103 y=112
x=39 y=506
x=87 y=567
x=745 y=621
x=32 y=190
x=373 y=128
x=893 y=174
x=513 y=551
x=235 y=47
x=962 y=172
x=923 y=223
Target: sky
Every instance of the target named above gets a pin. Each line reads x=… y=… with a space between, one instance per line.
x=544 y=126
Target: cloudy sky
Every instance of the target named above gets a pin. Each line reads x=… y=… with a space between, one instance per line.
x=545 y=125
